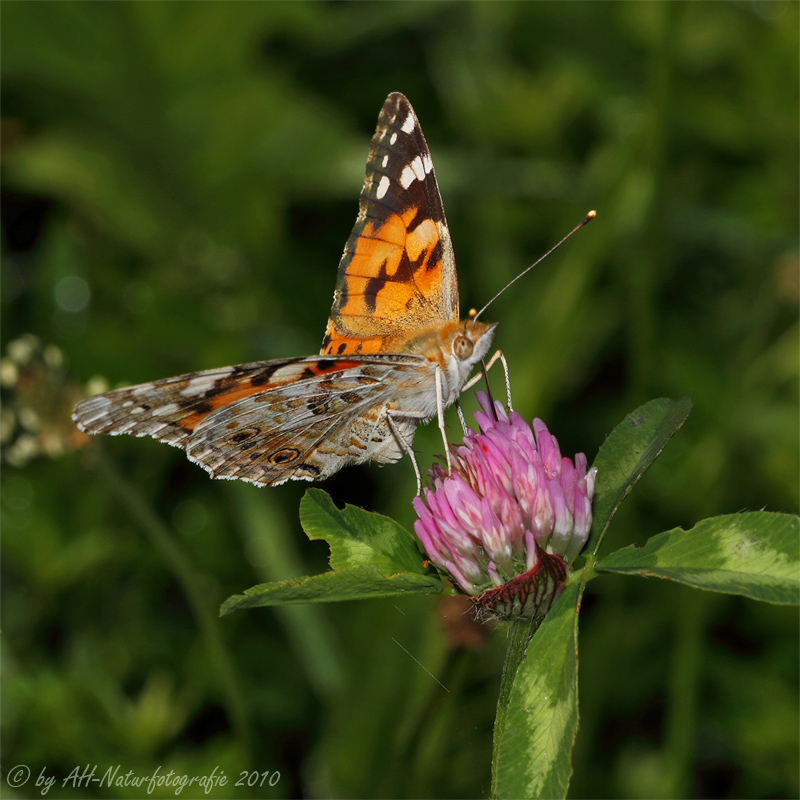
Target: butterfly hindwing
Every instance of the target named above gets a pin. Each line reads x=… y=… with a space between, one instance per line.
x=397 y=273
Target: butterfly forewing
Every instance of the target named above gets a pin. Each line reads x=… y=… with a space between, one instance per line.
x=170 y=409
x=397 y=273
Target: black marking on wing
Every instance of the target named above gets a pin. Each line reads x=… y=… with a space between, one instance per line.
x=373 y=287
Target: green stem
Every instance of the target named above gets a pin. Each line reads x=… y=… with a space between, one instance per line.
x=521 y=633
x=692 y=609
x=191 y=583
x=650 y=167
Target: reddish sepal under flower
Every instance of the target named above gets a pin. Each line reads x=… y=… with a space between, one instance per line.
x=527 y=596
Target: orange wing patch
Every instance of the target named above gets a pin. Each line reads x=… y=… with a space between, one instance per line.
x=204 y=408
x=409 y=271
x=335 y=343
x=245 y=388
x=403 y=293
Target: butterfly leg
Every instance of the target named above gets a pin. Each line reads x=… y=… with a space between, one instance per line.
x=401 y=440
x=498 y=356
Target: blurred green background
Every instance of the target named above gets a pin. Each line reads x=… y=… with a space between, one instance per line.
x=178 y=182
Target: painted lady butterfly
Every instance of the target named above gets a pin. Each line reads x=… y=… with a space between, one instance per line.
x=394 y=354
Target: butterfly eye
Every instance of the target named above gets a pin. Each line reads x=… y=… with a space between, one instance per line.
x=462 y=347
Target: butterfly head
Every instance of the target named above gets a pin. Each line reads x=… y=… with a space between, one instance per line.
x=472 y=341
x=464 y=347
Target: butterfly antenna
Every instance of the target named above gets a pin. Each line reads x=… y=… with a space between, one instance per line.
x=588 y=218
x=464 y=428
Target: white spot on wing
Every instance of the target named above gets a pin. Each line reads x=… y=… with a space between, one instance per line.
x=408 y=125
x=87 y=421
x=407 y=177
x=383 y=187
x=385 y=161
x=99 y=402
x=415 y=171
x=202 y=384
x=169 y=408
x=393 y=139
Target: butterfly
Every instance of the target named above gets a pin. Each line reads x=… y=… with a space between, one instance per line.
x=395 y=351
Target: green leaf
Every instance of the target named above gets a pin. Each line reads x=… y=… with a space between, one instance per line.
x=371 y=556
x=533 y=757
x=351 y=583
x=627 y=454
x=359 y=537
x=756 y=554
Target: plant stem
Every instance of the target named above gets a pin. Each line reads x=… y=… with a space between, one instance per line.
x=196 y=594
x=520 y=635
x=680 y=727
